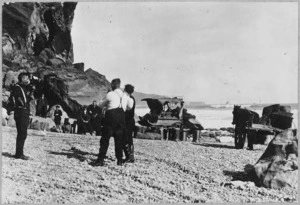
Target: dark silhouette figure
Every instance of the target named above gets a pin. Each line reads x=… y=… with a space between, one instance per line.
x=130 y=127
x=114 y=124
x=85 y=121
x=57 y=118
x=42 y=106
x=22 y=95
x=95 y=114
x=66 y=127
x=243 y=118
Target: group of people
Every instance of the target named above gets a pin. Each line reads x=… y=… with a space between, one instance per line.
x=90 y=120
x=176 y=112
x=118 y=108
x=118 y=122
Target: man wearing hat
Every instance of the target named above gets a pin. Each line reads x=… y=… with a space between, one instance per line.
x=22 y=95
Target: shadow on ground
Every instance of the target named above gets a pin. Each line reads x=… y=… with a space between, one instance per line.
x=215 y=145
x=79 y=154
x=247 y=175
x=74 y=153
x=6 y=154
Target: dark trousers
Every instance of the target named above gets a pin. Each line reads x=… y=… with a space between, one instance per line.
x=128 y=145
x=21 y=117
x=96 y=125
x=86 y=127
x=130 y=126
x=114 y=126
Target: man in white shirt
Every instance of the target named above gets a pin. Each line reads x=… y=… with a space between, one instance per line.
x=116 y=104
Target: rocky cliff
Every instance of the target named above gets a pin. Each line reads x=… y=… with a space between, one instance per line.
x=36 y=37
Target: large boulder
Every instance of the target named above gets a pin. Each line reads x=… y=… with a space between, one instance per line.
x=278 y=166
x=40 y=123
x=4 y=117
x=11 y=121
x=9 y=77
x=7 y=45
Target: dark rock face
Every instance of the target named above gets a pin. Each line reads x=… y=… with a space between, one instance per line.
x=57 y=91
x=278 y=166
x=37 y=38
x=36 y=26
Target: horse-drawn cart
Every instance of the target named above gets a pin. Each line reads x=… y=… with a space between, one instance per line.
x=275 y=119
x=265 y=129
x=167 y=115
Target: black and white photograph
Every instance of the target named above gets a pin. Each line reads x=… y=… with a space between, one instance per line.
x=149 y=102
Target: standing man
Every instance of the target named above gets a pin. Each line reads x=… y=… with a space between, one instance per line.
x=114 y=123
x=130 y=124
x=22 y=95
x=42 y=106
x=57 y=118
x=180 y=112
x=95 y=122
x=85 y=120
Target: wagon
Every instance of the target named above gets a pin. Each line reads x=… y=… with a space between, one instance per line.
x=275 y=119
x=166 y=113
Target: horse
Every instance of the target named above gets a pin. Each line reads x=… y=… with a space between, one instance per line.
x=243 y=118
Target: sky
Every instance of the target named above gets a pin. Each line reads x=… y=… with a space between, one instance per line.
x=203 y=51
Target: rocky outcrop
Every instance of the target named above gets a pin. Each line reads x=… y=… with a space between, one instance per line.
x=11 y=121
x=278 y=166
x=4 y=117
x=37 y=38
x=29 y=28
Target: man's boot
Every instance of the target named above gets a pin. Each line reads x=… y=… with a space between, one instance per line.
x=100 y=159
x=119 y=162
x=98 y=162
x=131 y=157
x=127 y=153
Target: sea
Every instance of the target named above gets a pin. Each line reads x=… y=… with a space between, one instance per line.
x=216 y=118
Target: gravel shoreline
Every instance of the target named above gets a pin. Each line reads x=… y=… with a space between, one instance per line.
x=164 y=171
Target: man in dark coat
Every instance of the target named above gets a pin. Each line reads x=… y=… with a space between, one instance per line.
x=42 y=106
x=66 y=127
x=130 y=125
x=85 y=120
x=95 y=114
x=57 y=118
x=22 y=95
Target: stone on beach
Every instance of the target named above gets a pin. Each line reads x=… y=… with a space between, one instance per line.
x=4 y=117
x=40 y=123
x=277 y=167
x=11 y=121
